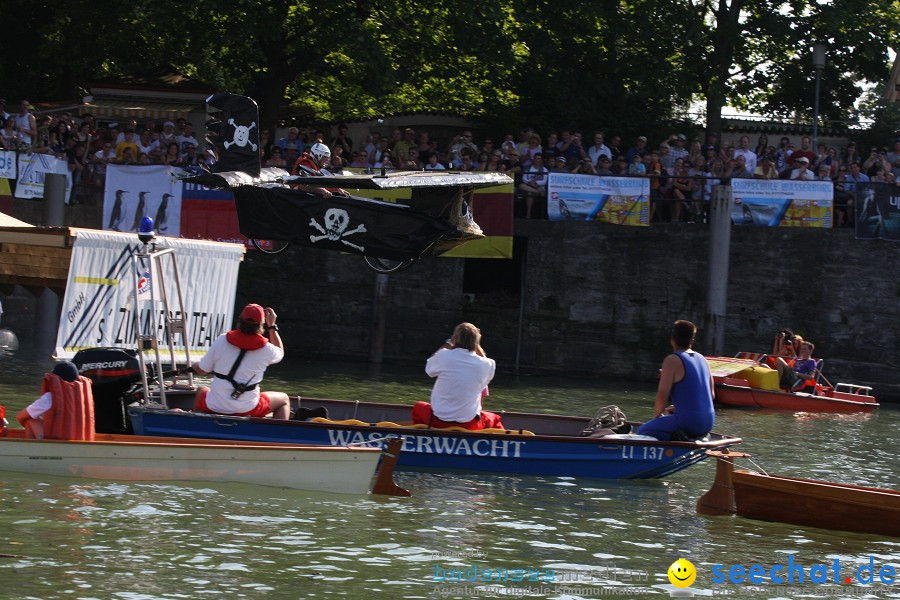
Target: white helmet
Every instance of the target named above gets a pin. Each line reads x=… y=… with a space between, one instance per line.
x=320 y=153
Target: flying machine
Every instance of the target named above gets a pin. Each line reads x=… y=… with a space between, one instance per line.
x=390 y=235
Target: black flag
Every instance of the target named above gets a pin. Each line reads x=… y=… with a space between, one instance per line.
x=233 y=130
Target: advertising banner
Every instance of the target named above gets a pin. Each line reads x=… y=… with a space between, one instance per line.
x=7 y=164
x=785 y=203
x=136 y=191
x=878 y=211
x=33 y=167
x=619 y=200
x=99 y=305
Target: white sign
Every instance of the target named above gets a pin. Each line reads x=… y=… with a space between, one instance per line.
x=98 y=308
x=33 y=168
x=7 y=164
x=134 y=192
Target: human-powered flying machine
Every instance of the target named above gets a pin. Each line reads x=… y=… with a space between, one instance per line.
x=390 y=235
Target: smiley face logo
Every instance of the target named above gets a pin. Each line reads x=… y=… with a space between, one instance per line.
x=682 y=573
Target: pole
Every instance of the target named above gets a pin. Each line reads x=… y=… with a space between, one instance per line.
x=53 y=214
x=379 y=318
x=717 y=288
x=53 y=210
x=816 y=114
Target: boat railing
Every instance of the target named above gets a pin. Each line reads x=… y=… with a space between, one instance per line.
x=852 y=388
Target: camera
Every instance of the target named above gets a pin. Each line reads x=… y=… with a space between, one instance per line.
x=789 y=343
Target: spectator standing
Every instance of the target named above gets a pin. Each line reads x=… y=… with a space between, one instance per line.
x=666 y=159
x=292 y=137
x=8 y=135
x=766 y=168
x=801 y=171
x=637 y=167
x=3 y=113
x=804 y=151
x=598 y=149
x=373 y=148
x=614 y=146
x=512 y=163
x=401 y=148
x=186 y=138
x=748 y=154
x=603 y=164
x=677 y=150
x=433 y=164
x=534 y=184
x=276 y=159
x=26 y=125
x=168 y=134
x=740 y=170
x=852 y=178
x=130 y=125
x=782 y=154
x=532 y=147
x=101 y=158
x=342 y=140
x=639 y=148
x=127 y=142
x=572 y=148
x=145 y=142
x=762 y=145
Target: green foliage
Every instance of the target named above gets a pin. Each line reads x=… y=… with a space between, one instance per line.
x=625 y=66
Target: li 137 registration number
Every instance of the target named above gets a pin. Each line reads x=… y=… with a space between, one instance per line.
x=643 y=452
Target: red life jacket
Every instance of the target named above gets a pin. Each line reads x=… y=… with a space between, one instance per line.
x=307 y=161
x=71 y=417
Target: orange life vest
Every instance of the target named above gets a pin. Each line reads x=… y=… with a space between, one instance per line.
x=71 y=417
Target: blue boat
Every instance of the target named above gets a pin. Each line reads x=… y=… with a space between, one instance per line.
x=534 y=444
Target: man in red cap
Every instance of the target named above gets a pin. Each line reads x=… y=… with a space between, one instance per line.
x=238 y=360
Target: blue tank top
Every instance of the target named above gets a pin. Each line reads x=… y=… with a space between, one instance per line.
x=692 y=394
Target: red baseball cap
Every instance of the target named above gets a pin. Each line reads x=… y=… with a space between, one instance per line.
x=253 y=313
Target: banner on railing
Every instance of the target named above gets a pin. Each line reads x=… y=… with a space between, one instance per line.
x=7 y=164
x=33 y=168
x=620 y=200
x=877 y=211
x=786 y=203
x=134 y=192
x=99 y=304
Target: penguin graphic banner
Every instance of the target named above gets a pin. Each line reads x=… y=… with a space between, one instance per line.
x=135 y=192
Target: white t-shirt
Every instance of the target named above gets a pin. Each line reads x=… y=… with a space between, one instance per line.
x=37 y=408
x=749 y=158
x=220 y=359
x=461 y=375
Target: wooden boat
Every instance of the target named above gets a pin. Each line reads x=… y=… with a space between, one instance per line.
x=746 y=383
x=135 y=458
x=534 y=444
x=796 y=501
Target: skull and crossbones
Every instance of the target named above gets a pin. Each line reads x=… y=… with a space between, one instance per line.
x=241 y=135
x=336 y=222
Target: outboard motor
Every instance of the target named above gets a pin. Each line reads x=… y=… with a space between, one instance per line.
x=114 y=373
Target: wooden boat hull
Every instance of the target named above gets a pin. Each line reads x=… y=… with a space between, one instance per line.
x=816 y=503
x=732 y=392
x=137 y=458
x=555 y=449
x=804 y=502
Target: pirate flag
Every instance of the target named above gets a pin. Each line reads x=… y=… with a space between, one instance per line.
x=233 y=130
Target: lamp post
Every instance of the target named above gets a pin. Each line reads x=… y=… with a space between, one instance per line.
x=819 y=64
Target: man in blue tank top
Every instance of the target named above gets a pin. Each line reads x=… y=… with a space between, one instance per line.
x=686 y=381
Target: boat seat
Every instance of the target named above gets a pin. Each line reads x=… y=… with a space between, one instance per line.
x=679 y=435
x=754 y=356
x=420 y=426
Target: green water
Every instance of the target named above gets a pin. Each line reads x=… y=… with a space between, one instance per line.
x=69 y=538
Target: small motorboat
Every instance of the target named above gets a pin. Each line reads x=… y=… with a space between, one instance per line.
x=743 y=381
x=805 y=502
x=114 y=457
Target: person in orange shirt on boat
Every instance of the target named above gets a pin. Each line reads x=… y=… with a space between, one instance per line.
x=794 y=376
x=463 y=372
x=684 y=380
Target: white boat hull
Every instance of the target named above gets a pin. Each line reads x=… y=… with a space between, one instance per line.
x=134 y=458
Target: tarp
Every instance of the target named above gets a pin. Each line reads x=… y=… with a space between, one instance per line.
x=877 y=211
x=723 y=366
x=98 y=306
x=785 y=203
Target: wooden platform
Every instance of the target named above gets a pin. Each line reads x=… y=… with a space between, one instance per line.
x=35 y=256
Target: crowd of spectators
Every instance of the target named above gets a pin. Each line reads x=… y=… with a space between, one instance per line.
x=682 y=174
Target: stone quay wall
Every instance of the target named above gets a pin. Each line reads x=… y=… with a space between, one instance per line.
x=589 y=299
